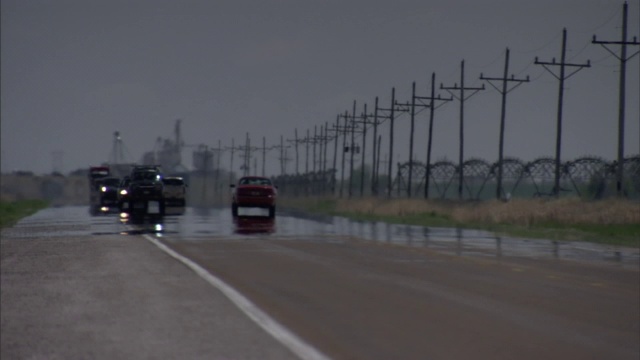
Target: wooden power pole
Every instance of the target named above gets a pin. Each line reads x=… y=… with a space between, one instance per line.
x=561 y=77
x=503 y=91
x=621 y=92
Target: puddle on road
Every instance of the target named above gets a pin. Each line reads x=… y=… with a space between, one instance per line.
x=205 y=224
x=217 y=223
x=464 y=242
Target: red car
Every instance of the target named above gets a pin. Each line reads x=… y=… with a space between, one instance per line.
x=254 y=192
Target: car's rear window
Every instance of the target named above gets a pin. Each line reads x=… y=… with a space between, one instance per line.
x=255 y=181
x=145 y=175
x=176 y=182
x=111 y=182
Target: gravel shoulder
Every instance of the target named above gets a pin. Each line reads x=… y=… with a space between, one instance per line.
x=115 y=297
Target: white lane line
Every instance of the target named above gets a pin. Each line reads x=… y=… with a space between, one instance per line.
x=275 y=329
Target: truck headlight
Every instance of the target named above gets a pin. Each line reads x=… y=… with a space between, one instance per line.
x=123 y=192
x=103 y=189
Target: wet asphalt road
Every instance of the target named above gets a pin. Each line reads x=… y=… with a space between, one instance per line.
x=76 y=286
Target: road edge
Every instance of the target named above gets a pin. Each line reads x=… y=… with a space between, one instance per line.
x=271 y=326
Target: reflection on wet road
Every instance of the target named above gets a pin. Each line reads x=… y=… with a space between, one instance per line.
x=215 y=223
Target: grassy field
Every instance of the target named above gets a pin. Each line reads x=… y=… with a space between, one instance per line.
x=12 y=211
x=612 y=221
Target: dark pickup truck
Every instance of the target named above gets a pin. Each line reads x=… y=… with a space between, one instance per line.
x=142 y=192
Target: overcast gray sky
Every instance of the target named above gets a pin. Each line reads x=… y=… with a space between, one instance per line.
x=75 y=71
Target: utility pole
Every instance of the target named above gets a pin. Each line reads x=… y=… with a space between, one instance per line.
x=432 y=107
x=313 y=142
x=296 y=142
x=283 y=155
x=621 y=92
x=246 y=150
x=344 y=144
x=204 y=180
x=326 y=140
x=413 y=116
x=230 y=162
x=351 y=147
x=355 y=120
x=264 y=154
x=394 y=106
x=323 y=139
x=562 y=77
x=282 y=158
x=306 y=164
x=374 y=171
x=413 y=106
x=264 y=150
x=461 y=98
x=377 y=165
x=376 y=151
x=392 y=119
x=318 y=139
x=247 y=155
x=335 y=153
x=218 y=183
x=364 y=148
x=504 y=90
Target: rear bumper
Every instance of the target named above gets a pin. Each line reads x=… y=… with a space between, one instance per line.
x=250 y=201
x=149 y=207
x=174 y=201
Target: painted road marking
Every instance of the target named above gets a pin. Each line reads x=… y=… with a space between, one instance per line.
x=272 y=327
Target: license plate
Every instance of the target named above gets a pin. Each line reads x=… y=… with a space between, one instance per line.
x=252 y=211
x=153 y=207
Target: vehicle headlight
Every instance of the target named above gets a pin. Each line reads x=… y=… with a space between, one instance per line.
x=123 y=192
x=103 y=189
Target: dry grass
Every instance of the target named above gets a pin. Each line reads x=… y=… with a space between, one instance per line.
x=524 y=212
x=612 y=221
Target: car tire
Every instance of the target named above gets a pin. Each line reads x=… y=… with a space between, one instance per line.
x=234 y=210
